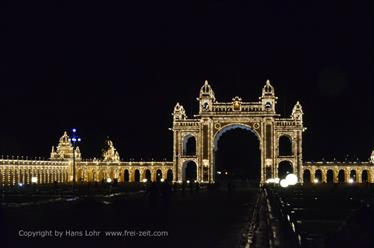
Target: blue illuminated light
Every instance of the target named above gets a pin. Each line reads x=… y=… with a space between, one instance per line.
x=74 y=139
x=79 y=139
x=74 y=130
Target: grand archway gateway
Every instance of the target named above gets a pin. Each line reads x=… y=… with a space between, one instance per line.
x=216 y=117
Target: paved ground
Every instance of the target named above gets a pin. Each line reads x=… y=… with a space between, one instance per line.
x=204 y=219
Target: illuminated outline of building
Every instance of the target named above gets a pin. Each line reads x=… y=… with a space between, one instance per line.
x=205 y=129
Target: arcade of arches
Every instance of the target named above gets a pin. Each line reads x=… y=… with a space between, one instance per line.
x=195 y=144
x=338 y=173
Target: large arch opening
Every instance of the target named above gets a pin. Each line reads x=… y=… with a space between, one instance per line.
x=237 y=154
x=284 y=168
x=189 y=171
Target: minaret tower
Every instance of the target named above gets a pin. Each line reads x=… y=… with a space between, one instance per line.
x=268 y=98
x=206 y=98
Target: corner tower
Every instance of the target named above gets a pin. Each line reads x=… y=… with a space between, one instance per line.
x=206 y=98
x=268 y=98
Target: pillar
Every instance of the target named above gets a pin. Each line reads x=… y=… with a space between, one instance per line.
x=324 y=175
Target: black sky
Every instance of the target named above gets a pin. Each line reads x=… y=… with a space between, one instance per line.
x=117 y=69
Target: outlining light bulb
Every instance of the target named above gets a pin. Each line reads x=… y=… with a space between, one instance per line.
x=34 y=179
x=283 y=183
x=291 y=179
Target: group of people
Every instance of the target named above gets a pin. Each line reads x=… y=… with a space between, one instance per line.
x=161 y=192
x=157 y=192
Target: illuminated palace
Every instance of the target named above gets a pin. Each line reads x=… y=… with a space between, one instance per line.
x=203 y=131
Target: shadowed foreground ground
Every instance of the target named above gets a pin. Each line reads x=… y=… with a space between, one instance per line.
x=206 y=219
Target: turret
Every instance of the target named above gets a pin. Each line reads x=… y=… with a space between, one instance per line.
x=179 y=112
x=206 y=98
x=53 y=153
x=78 y=155
x=110 y=152
x=297 y=112
x=268 y=98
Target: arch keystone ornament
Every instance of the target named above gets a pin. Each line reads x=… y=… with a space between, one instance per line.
x=215 y=118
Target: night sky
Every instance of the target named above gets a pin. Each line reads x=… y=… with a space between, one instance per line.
x=117 y=70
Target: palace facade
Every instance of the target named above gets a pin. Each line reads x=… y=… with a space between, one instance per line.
x=203 y=130
x=59 y=168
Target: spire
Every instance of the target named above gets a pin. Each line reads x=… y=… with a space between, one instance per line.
x=297 y=112
x=268 y=89
x=268 y=98
x=207 y=91
x=78 y=155
x=110 y=152
x=53 y=153
x=179 y=112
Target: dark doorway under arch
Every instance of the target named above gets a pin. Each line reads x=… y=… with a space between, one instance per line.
x=365 y=176
x=330 y=176
x=169 y=176
x=318 y=176
x=126 y=176
x=158 y=175
x=148 y=175
x=307 y=177
x=341 y=176
x=353 y=175
x=237 y=155
x=284 y=168
x=190 y=171
x=137 y=176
